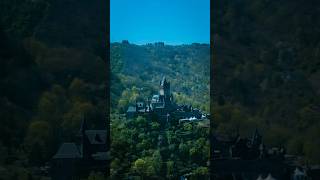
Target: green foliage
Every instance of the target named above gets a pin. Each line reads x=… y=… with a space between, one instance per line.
x=72 y=119
x=136 y=146
x=96 y=176
x=52 y=105
x=139 y=166
x=37 y=142
x=155 y=126
x=136 y=149
x=170 y=169
x=200 y=173
x=49 y=77
x=265 y=78
x=187 y=67
x=266 y=71
x=187 y=127
x=78 y=90
x=146 y=167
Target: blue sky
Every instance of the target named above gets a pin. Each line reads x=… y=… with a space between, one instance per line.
x=169 y=21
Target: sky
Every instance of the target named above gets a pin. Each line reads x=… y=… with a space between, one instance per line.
x=169 y=21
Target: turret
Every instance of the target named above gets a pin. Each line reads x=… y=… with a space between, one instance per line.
x=83 y=127
x=84 y=141
x=164 y=92
x=256 y=139
x=164 y=87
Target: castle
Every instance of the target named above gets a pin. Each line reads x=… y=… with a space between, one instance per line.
x=163 y=108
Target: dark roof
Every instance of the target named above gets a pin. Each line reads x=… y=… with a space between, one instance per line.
x=67 y=150
x=96 y=136
x=131 y=109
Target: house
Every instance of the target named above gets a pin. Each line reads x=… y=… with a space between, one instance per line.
x=74 y=160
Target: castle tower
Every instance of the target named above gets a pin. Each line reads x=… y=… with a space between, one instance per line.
x=164 y=92
x=256 y=139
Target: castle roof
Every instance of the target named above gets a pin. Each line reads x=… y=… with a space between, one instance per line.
x=68 y=150
x=83 y=126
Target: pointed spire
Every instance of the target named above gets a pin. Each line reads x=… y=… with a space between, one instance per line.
x=260 y=178
x=256 y=134
x=257 y=138
x=83 y=126
x=163 y=81
x=269 y=177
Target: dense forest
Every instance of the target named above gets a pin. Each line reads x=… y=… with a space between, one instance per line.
x=53 y=72
x=266 y=72
x=139 y=68
x=140 y=147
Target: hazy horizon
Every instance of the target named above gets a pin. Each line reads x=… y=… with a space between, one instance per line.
x=165 y=43
x=173 y=22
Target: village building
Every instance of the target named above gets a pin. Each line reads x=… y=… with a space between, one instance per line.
x=74 y=160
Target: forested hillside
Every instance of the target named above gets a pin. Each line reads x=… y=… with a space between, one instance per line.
x=139 y=68
x=53 y=75
x=267 y=72
x=140 y=147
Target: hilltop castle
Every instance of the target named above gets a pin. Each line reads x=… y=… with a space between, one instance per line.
x=163 y=107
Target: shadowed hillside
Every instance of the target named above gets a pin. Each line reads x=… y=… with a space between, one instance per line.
x=53 y=73
x=266 y=72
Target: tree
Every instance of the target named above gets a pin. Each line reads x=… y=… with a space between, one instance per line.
x=157 y=161
x=170 y=169
x=52 y=105
x=78 y=90
x=96 y=176
x=200 y=173
x=37 y=142
x=183 y=150
x=73 y=118
x=140 y=166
